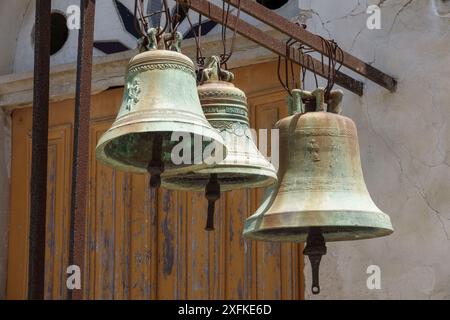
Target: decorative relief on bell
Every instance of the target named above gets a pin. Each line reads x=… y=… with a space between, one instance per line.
x=212 y=71
x=133 y=91
x=161 y=65
x=225 y=93
x=335 y=151
x=228 y=129
x=314 y=149
x=223 y=109
x=347 y=133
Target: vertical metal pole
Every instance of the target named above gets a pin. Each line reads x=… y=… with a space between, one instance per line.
x=36 y=262
x=80 y=160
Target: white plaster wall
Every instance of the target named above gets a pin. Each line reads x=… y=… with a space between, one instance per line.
x=405 y=148
x=24 y=54
x=108 y=26
x=12 y=13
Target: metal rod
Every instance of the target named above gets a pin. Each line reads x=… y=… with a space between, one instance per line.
x=315 y=249
x=305 y=37
x=36 y=262
x=269 y=42
x=80 y=160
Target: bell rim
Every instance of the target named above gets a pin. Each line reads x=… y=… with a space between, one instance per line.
x=157 y=126
x=270 y=178
x=267 y=237
x=255 y=230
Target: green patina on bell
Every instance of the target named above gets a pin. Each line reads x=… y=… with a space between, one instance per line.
x=160 y=98
x=321 y=194
x=225 y=107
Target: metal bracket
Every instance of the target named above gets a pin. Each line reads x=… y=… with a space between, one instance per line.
x=313 y=41
x=250 y=32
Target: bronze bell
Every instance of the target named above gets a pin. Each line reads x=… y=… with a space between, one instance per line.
x=160 y=98
x=321 y=194
x=225 y=107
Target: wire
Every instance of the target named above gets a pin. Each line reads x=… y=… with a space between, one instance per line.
x=140 y=24
x=333 y=51
x=289 y=81
x=279 y=76
x=199 y=55
x=224 y=29
x=197 y=36
x=167 y=20
x=225 y=56
x=233 y=39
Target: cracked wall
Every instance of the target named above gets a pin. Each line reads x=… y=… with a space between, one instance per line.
x=405 y=148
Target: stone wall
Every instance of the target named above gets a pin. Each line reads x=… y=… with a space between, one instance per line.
x=405 y=148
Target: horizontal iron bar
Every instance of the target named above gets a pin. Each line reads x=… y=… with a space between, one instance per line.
x=305 y=37
x=269 y=42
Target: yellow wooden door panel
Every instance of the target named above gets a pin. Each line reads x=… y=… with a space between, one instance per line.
x=58 y=208
x=170 y=251
x=235 y=213
x=278 y=274
x=58 y=211
x=142 y=244
x=107 y=225
x=18 y=221
x=142 y=254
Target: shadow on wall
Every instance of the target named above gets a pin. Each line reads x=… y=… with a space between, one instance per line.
x=272 y=4
x=442 y=8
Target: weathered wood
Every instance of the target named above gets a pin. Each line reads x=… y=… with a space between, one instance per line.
x=80 y=158
x=139 y=248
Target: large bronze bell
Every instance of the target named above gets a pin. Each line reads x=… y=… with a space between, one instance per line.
x=321 y=194
x=225 y=107
x=160 y=98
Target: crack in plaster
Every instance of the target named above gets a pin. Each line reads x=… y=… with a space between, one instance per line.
x=357 y=11
x=418 y=186
x=397 y=15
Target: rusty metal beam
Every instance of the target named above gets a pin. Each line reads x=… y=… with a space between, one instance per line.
x=80 y=160
x=305 y=37
x=269 y=42
x=38 y=183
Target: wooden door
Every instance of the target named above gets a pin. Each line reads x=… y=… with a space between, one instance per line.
x=141 y=245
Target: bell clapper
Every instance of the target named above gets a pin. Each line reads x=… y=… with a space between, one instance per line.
x=212 y=194
x=315 y=249
x=156 y=165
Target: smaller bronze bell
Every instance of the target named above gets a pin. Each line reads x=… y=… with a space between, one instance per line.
x=225 y=107
x=160 y=98
x=321 y=195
